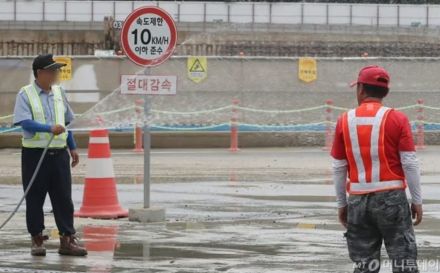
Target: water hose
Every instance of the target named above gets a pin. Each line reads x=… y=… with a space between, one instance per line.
x=34 y=175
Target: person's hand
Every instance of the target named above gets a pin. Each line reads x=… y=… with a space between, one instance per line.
x=75 y=158
x=417 y=213
x=57 y=129
x=342 y=215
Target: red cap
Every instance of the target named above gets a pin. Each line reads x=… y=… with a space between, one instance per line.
x=373 y=75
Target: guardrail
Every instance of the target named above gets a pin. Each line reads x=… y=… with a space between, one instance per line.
x=398 y=15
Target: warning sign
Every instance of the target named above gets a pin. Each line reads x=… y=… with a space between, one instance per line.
x=307 y=69
x=66 y=71
x=148 y=85
x=149 y=36
x=197 y=67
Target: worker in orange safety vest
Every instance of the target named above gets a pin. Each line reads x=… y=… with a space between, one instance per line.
x=374 y=146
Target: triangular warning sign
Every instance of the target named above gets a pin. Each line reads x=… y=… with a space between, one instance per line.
x=197 y=67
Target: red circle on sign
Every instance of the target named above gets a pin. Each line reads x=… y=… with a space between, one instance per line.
x=124 y=36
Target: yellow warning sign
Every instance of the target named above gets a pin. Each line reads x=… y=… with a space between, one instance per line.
x=66 y=71
x=307 y=69
x=197 y=67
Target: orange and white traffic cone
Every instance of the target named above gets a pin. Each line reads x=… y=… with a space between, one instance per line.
x=100 y=198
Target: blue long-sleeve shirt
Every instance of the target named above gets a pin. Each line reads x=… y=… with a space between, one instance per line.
x=34 y=127
x=23 y=109
x=23 y=112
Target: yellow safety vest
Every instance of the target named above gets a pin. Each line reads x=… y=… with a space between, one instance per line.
x=40 y=139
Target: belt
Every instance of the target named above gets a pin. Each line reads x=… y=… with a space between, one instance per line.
x=51 y=151
x=55 y=151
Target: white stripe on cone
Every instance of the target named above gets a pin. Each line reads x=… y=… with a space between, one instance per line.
x=99 y=168
x=99 y=140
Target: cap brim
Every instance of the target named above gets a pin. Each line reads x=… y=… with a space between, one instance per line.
x=54 y=66
x=353 y=83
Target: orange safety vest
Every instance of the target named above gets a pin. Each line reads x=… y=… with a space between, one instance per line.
x=364 y=138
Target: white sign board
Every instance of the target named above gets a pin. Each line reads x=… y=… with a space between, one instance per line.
x=148 y=85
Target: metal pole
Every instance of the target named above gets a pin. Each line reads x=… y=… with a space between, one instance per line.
x=253 y=14
x=270 y=13
x=147 y=147
x=204 y=13
x=302 y=13
x=327 y=14
x=204 y=17
x=43 y=7
x=377 y=16
x=351 y=15
x=427 y=15
x=92 y=11
x=15 y=10
x=114 y=10
x=178 y=12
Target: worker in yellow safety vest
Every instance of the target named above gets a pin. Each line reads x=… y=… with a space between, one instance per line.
x=41 y=109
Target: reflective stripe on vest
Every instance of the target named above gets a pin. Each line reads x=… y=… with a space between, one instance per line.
x=375 y=183
x=376 y=186
x=40 y=139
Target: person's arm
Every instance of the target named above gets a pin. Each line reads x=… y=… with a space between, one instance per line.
x=340 y=180
x=72 y=148
x=340 y=166
x=411 y=170
x=71 y=144
x=22 y=108
x=410 y=165
x=23 y=117
x=409 y=161
x=34 y=126
x=71 y=141
x=69 y=115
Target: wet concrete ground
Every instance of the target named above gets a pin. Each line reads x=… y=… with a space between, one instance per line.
x=232 y=221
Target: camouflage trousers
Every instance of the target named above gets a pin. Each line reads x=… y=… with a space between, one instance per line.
x=376 y=217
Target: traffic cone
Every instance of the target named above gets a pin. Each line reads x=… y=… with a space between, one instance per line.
x=100 y=198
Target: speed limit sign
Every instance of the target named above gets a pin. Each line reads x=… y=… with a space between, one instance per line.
x=149 y=36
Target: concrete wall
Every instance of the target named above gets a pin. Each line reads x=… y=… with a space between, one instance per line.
x=266 y=83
